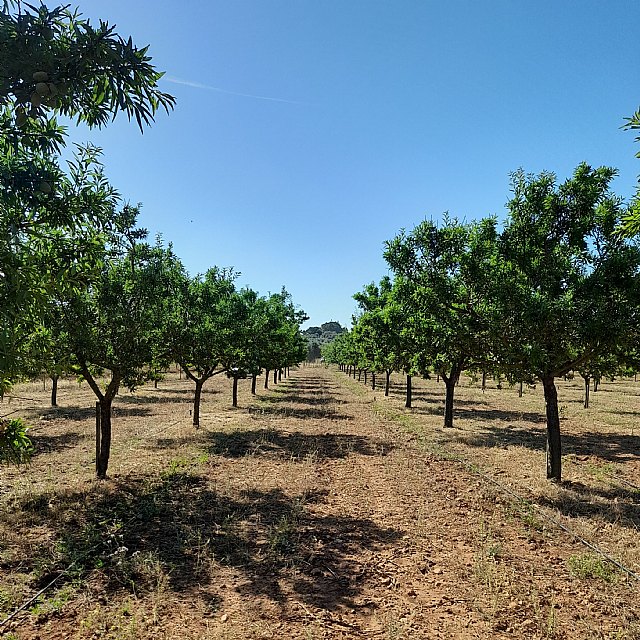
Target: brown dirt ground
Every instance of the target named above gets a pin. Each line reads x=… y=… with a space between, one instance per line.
x=322 y=509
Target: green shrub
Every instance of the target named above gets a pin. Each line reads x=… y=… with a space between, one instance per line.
x=15 y=445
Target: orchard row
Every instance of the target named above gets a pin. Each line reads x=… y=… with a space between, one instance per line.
x=555 y=289
x=82 y=289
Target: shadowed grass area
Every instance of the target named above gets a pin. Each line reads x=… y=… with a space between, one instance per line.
x=296 y=445
x=143 y=532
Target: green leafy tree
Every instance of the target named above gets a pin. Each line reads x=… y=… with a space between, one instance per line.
x=116 y=325
x=313 y=352
x=444 y=279
x=335 y=352
x=570 y=286
x=630 y=220
x=49 y=350
x=283 y=342
x=56 y=63
x=52 y=243
x=380 y=329
x=239 y=351
x=197 y=329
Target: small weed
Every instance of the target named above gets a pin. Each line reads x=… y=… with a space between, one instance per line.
x=176 y=466
x=551 y=624
x=282 y=537
x=114 y=625
x=395 y=628
x=7 y=600
x=590 y=565
x=526 y=513
x=55 y=603
x=601 y=472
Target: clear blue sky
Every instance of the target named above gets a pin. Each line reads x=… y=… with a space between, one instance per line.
x=308 y=132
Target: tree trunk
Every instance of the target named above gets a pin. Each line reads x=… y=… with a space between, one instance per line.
x=155 y=383
x=450 y=385
x=279 y=375
x=408 y=400
x=103 y=417
x=54 y=391
x=387 y=382
x=554 y=445
x=235 y=391
x=196 y=403
x=102 y=463
x=596 y=384
x=266 y=378
x=275 y=376
x=373 y=381
x=359 y=375
x=484 y=381
x=365 y=376
x=520 y=389
x=254 y=380
x=587 y=381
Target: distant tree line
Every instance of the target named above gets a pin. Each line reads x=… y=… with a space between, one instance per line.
x=317 y=337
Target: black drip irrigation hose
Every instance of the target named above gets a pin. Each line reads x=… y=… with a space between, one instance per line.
x=548 y=517
x=6 y=415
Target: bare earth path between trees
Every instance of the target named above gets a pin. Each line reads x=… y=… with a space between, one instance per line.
x=315 y=512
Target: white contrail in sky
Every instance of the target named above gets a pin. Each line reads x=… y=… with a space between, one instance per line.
x=199 y=85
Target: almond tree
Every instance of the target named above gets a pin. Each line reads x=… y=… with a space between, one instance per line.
x=283 y=344
x=570 y=289
x=444 y=277
x=56 y=63
x=197 y=328
x=238 y=353
x=116 y=325
x=381 y=333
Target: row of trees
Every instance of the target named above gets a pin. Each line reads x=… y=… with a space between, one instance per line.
x=81 y=288
x=142 y=311
x=556 y=289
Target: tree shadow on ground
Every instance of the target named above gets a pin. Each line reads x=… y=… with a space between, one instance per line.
x=309 y=399
x=293 y=446
x=607 y=446
x=623 y=412
x=460 y=412
x=614 y=390
x=48 y=444
x=80 y=414
x=617 y=505
x=322 y=412
x=313 y=388
x=156 y=398
x=179 y=531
